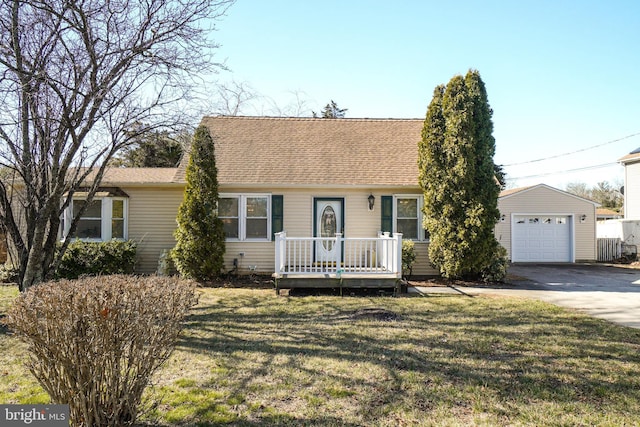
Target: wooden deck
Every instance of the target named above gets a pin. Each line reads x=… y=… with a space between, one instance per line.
x=345 y=281
x=364 y=262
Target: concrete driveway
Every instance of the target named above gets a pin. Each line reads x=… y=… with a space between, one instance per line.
x=607 y=292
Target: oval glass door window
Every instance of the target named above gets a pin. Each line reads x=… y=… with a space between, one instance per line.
x=328 y=226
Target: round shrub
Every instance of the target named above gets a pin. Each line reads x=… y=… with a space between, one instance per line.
x=97 y=258
x=496 y=271
x=408 y=257
x=94 y=343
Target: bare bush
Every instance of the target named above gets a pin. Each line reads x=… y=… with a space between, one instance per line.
x=94 y=343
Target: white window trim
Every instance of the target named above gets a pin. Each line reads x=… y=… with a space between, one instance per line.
x=242 y=216
x=105 y=220
x=420 y=203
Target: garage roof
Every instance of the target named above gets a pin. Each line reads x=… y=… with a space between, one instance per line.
x=513 y=191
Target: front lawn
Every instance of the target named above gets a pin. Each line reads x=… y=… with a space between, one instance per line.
x=250 y=358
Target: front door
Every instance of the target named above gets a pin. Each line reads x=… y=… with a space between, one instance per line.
x=328 y=220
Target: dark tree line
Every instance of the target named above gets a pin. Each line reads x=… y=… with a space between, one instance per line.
x=608 y=195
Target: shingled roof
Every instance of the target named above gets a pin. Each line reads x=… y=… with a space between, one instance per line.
x=137 y=176
x=511 y=191
x=275 y=151
x=632 y=157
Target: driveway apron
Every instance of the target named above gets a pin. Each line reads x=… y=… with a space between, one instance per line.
x=603 y=291
x=607 y=292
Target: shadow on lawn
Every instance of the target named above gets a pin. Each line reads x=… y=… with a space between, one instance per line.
x=272 y=420
x=3 y=327
x=509 y=355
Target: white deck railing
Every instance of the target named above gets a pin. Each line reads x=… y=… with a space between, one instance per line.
x=380 y=255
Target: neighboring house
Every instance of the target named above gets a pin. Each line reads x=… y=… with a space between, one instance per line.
x=603 y=214
x=543 y=224
x=288 y=185
x=626 y=228
x=631 y=163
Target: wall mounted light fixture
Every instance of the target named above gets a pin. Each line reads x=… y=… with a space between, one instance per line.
x=583 y=218
x=371 y=199
x=503 y=218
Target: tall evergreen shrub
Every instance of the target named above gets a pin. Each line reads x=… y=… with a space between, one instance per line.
x=200 y=246
x=457 y=175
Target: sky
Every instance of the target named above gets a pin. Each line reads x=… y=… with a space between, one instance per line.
x=561 y=76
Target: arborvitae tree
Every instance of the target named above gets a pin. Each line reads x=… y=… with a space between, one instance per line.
x=457 y=175
x=200 y=246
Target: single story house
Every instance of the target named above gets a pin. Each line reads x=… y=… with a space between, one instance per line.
x=289 y=186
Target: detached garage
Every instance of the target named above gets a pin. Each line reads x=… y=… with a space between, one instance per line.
x=544 y=224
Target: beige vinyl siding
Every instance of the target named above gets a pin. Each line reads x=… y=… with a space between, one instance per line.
x=632 y=191
x=544 y=200
x=152 y=221
x=422 y=266
x=259 y=257
x=298 y=222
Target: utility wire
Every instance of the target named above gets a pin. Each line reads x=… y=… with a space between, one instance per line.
x=604 y=165
x=574 y=152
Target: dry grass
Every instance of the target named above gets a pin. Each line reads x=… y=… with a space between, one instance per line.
x=249 y=358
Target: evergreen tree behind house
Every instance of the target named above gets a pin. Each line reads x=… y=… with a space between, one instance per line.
x=152 y=148
x=332 y=111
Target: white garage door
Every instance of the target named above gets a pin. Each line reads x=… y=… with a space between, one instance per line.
x=538 y=238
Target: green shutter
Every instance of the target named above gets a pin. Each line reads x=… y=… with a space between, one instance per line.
x=277 y=215
x=386 y=209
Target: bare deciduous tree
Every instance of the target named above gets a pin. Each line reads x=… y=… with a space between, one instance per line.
x=74 y=75
x=297 y=107
x=608 y=195
x=234 y=98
